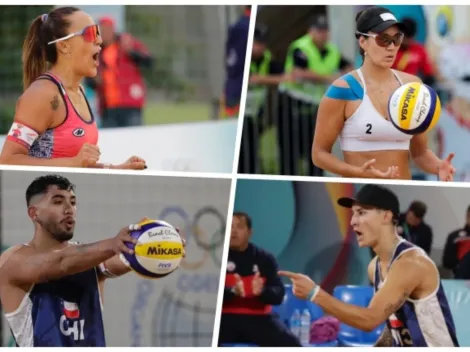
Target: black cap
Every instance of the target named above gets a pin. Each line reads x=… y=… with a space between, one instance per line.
x=260 y=34
x=319 y=22
x=377 y=19
x=374 y=196
x=410 y=25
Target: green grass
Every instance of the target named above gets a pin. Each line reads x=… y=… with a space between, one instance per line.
x=269 y=154
x=164 y=113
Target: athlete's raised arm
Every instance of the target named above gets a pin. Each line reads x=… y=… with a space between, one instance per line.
x=35 y=113
x=403 y=277
x=27 y=266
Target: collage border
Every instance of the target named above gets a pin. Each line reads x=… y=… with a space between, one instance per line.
x=234 y=176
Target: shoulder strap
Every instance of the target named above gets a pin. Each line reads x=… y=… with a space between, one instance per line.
x=54 y=79
x=397 y=77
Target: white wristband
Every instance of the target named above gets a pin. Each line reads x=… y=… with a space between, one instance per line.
x=313 y=294
x=124 y=260
x=104 y=270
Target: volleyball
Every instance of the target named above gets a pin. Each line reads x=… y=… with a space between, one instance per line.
x=414 y=108
x=159 y=250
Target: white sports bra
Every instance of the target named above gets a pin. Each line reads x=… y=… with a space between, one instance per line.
x=367 y=130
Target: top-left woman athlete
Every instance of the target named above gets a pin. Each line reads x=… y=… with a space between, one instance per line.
x=53 y=123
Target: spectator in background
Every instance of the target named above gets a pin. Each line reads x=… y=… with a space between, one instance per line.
x=412 y=56
x=463 y=270
x=252 y=286
x=235 y=53
x=314 y=63
x=264 y=72
x=119 y=84
x=457 y=247
x=411 y=226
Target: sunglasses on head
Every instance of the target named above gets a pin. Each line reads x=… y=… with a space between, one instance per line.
x=89 y=34
x=384 y=40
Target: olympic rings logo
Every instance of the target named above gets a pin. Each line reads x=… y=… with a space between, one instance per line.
x=194 y=232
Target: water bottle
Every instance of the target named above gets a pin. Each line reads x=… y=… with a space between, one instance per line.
x=305 y=327
x=295 y=323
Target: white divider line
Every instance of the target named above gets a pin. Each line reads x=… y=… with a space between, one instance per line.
x=246 y=75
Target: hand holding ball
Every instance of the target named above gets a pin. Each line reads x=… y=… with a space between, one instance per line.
x=159 y=249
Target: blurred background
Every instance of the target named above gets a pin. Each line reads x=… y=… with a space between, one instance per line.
x=177 y=310
x=278 y=129
x=312 y=235
x=190 y=55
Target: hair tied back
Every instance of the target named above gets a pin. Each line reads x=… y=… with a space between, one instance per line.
x=44 y=17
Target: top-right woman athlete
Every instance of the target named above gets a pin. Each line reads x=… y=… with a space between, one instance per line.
x=355 y=109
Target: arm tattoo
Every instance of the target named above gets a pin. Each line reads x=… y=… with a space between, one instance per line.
x=385 y=340
x=394 y=306
x=55 y=103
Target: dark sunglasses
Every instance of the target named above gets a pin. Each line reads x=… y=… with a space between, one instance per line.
x=89 y=34
x=384 y=40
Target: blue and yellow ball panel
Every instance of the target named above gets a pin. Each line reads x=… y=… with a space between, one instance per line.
x=158 y=250
x=408 y=103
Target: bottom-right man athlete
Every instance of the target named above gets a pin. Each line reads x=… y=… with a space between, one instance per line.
x=409 y=295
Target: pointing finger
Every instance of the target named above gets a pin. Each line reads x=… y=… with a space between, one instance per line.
x=288 y=274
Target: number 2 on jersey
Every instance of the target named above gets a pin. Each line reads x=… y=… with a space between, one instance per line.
x=369 y=128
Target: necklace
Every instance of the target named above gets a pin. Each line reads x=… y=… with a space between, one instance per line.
x=380 y=88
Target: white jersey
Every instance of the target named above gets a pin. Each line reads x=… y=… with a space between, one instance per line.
x=426 y=322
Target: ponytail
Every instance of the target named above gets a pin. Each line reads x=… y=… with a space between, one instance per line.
x=34 y=53
x=37 y=55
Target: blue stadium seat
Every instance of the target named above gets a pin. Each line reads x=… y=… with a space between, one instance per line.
x=291 y=303
x=360 y=296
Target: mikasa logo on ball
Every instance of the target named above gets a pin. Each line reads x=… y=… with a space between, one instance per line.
x=159 y=250
x=414 y=108
x=162 y=251
x=406 y=103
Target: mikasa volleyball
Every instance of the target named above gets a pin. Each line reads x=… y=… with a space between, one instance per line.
x=414 y=108
x=159 y=250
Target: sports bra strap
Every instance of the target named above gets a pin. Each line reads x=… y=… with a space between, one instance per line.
x=397 y=77
x=54 y=79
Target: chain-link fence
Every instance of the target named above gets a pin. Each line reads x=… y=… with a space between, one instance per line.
x=186 y=42
x=177 y=310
